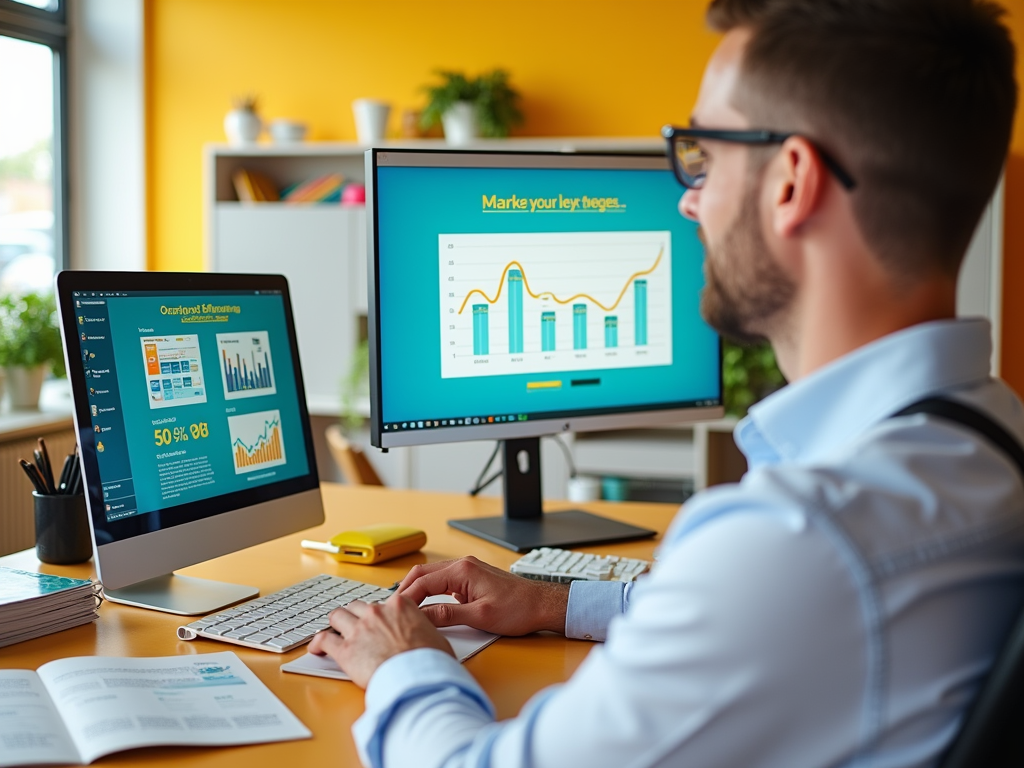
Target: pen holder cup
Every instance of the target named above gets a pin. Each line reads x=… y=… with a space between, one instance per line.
x=62 y=529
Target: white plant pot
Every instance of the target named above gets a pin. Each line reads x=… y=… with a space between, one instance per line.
x=24 y=385
x=460 y=125
x=242 y=126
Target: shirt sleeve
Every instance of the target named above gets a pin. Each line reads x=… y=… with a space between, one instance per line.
x=592 y=606
x=421 y=681
x=705 y=668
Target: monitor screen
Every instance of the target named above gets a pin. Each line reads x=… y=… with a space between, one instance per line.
x=521 y=294
x=189 y=404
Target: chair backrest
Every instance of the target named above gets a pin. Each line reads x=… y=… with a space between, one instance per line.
x=352 y=462
x=992 y=736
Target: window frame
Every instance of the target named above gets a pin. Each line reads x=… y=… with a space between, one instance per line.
x=49 y=28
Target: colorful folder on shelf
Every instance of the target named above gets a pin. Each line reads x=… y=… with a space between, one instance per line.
x=323 y=189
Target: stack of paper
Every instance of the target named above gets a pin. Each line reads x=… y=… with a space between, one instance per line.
x=36 y=604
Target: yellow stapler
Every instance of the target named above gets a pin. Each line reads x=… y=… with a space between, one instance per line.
x=372 y=544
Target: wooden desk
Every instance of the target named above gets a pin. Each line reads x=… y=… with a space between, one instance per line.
x=511 y=670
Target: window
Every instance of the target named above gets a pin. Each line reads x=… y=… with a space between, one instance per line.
x=33 y=188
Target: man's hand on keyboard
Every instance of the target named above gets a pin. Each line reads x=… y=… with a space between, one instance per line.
x=489 y=598
x=364 y=636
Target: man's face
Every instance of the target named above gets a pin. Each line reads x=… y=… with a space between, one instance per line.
x=745 y=290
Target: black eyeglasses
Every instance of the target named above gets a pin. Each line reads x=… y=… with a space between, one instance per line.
x=690 y=163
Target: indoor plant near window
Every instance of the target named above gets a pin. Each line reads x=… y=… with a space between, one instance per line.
x=749 y=374
x=470 y=107
x=29 y=342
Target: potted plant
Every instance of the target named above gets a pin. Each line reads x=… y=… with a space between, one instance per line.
x=749 y=374
x=470 y=107
x=29 y=342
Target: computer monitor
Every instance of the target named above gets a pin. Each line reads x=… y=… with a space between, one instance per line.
x=191 y=418
x=515 y=295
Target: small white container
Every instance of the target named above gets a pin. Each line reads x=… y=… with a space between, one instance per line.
x=287 y=131
x=583 y=488
x=460 y=124
x=242 y=126
x=371 y=120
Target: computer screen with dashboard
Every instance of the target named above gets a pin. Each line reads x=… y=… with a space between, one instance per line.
x=191 y=417
x=515 y=295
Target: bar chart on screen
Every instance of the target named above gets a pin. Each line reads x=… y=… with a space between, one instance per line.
x=246 y=364
x=256 y=441
x=554 y=301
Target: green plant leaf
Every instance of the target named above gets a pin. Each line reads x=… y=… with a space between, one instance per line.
x=749 y=374
x=29 y=334
x=496 y=102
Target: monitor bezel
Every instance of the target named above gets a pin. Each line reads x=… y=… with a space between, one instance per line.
x=146 y=544
x=652 y=415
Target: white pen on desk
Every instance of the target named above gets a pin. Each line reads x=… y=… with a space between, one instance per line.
x=320 y=546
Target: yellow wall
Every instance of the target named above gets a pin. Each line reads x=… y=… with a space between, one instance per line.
x=1012 y=352
x=585 y=67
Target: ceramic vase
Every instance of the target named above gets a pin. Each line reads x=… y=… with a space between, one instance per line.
x=24 y=385
x=242 y=126
x=460 y=125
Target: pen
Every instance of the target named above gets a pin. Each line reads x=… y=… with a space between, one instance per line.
x=33 y=475
x=320 y=546
x=47 y=468
x=65 y=473
x=40 y=469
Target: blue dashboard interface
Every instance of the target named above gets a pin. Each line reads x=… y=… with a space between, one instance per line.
x=511 y=294
x=191 y=396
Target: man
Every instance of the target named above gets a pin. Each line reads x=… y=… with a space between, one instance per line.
x=843 y=602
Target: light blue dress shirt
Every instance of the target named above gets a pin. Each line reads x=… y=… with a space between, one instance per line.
x=838 y=607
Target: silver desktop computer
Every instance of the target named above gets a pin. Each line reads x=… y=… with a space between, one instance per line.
x=515 y=295
x=192 y=423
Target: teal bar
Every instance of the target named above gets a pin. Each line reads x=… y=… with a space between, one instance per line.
x=515 y=311
x=579 y=326
x=481 y=342
x=640 y=303
x=611 y=332
x=547 y=331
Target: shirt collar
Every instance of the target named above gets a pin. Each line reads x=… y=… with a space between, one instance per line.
x=835 y=404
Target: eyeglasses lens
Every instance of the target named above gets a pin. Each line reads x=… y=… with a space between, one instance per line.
x=691 y=162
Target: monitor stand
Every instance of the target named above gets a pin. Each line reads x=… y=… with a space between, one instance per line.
x=183 y=595
x=525 y=526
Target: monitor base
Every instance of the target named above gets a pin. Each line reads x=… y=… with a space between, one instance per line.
x=182 y=595
x=570 y=528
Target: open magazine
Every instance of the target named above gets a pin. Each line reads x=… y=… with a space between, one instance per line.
x=77 y=710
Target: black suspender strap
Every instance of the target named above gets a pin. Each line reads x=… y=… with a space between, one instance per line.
x=972 y=419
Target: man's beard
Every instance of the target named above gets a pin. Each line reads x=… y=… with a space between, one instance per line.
x=745 y=290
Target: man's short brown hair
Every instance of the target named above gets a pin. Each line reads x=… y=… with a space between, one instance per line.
x=915 y=98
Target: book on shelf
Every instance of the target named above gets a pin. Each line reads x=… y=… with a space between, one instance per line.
x=254 y=187
x=36 y=604
x=80 y=709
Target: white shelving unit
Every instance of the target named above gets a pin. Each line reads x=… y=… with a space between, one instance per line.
x=321 y=249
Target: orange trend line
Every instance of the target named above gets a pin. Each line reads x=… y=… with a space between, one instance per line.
x=554 y=298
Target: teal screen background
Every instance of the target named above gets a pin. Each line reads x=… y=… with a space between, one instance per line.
x=415 y=205
x=258 y=313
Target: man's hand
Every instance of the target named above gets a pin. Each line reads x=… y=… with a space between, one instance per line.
x=489 y=598
x=364 y=636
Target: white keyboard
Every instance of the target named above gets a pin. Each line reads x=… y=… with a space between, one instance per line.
x=563 y=565
x=284 y=620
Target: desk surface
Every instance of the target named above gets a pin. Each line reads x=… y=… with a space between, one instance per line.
x=511 y=670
